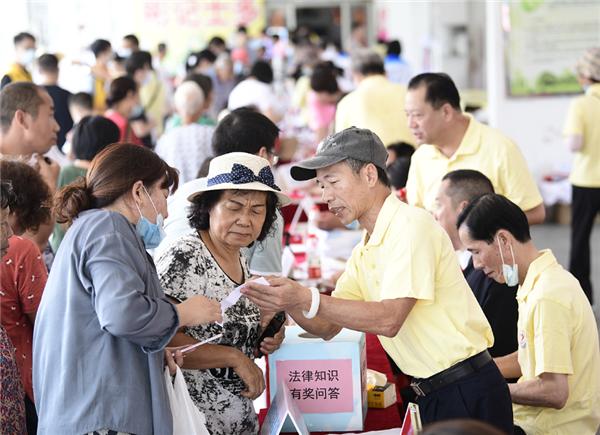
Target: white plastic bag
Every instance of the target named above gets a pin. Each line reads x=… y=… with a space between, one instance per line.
x=187 y=418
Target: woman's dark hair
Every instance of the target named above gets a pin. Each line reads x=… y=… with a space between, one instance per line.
x=7 y=195
x=119 y=89
x=324 y=78
x=439 y=89
x=485 y=215
x=32 y=197
x=112 y=174
x=92 y=134
x=100 y=46
x=244 y=130
x=262 y=71
x=199 y=216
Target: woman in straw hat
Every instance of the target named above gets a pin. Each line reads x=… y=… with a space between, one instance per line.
x=235 y=208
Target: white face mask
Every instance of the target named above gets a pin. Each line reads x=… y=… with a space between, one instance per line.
x=510 y=273
x=27 y=57
x=124 y=52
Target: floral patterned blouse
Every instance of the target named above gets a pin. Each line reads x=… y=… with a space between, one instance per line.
x=12 y=403
x=188 y=268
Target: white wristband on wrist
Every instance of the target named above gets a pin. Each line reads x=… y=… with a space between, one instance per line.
x=314 y=304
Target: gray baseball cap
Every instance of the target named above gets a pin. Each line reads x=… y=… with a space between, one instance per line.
x=354 y=143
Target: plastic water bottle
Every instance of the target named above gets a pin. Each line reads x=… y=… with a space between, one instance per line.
x=313 y=259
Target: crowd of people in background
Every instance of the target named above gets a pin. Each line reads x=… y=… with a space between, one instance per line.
x=131 y=206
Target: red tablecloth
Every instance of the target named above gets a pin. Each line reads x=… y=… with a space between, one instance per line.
x=377 y=419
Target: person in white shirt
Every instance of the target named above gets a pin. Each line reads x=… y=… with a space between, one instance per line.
x=187 y=146
x=256 y=91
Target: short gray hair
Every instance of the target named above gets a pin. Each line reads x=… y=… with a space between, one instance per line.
x=189 y=98
x=356 y=165
x=367 y=62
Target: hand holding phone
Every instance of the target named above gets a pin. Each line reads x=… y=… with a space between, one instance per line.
x=272 y=328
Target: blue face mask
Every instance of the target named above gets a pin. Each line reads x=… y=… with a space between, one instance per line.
x=510 y=273
x=151 y=234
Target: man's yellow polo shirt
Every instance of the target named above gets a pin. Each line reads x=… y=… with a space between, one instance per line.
x=410 y=256
x=583 y=119
x=558 y=334
x=376 y=104
x=483 y=149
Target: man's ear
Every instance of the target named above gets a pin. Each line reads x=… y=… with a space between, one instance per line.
x=461 y=206
x=22 y=118
x=447 y=111
x=370 y=173
x=503 y=237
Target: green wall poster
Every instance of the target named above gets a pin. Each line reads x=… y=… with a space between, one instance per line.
x=543 y=40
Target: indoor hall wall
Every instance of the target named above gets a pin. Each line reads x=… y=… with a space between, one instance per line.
x=439 y=36
x=534 y=123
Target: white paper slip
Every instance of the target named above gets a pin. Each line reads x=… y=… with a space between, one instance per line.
x=200 y=343
x=236 y=294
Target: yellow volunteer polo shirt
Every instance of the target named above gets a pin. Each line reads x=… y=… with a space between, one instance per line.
x=410 y=255
x=583 y=119
x=558 y=334
x=153 y=97
x=376 y=104
x=484 y=149
x=18 y=73
x=99 y=99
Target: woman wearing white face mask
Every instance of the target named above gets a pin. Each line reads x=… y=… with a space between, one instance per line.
x=123 y=102
x=104 y=321
x=558 y=360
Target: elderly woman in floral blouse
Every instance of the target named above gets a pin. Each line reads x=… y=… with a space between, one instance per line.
x=235 y=209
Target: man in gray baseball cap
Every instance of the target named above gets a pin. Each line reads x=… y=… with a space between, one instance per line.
x=402 y=283
x=352 y=143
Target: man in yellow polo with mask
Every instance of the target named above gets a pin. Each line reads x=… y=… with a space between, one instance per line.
x=557 y=360
x=25 y=55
